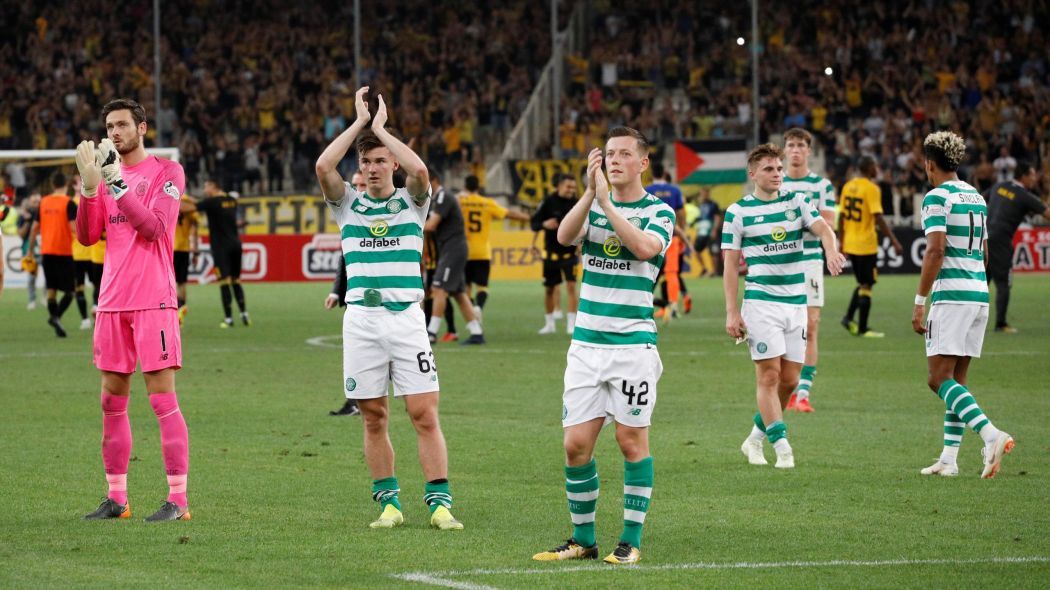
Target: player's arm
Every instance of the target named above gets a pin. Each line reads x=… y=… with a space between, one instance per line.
x=931 y=265
x=732 y=241
x=433 y=221
x=518 y=215
x=574 y=226
x=643 y=244
x=418 y=179
x=91 y=220
x=539 y=218
x=154 y=222
x=884 y=227
x=835 y=258
x=332 y=187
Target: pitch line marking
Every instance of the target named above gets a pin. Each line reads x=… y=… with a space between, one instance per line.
x=442 y=579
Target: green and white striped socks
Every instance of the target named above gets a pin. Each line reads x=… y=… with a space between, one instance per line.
x=958 y=401
x=637 y=491
x=385 y=492
x=581 y=487
x=953 y=433
x=805 y=381
x=436 y=493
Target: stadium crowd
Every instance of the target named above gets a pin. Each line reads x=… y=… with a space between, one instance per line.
x=253 y=90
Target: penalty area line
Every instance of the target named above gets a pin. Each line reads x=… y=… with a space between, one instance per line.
x=445 y=579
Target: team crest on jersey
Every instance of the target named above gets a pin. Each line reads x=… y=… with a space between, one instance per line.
x=351 y=384
x=393 y=206
x=612 y=246
x=140 y=188
x=778 y=234
x=171 y=190
x=636 y=222
x=790 y=215
x=379 y=228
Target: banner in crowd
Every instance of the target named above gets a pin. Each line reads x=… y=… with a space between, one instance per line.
x=711 y=161
x=531 y=179
x=288 y=257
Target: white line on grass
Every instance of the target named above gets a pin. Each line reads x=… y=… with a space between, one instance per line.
x=443 y=578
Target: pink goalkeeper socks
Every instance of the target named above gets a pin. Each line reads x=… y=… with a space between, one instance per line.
x=116 y=445
x=174 y=444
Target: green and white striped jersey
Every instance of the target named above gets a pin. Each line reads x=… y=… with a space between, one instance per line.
x=769 y=235
x=616 y=299
x=382 y=248
x=958 y=210
x=821 y=195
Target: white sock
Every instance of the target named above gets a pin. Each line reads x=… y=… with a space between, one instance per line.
x=756 y=434
x=434 y=325
x=782 y=446
x=474 y=327
x=989 y=433
x=949 y=455
x=570 y=321
x=548 y=320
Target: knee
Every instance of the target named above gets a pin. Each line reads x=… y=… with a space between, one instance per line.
x=812 y=325
x=630 y=444
x=375 y=419
x=936 y=379
x=769 y=377
x=576 y=451
x=424 y=420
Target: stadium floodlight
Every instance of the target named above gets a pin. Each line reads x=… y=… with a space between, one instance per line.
x=739 y=40
x=828 y=71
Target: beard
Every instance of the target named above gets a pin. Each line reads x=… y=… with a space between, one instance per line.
x=129 y=145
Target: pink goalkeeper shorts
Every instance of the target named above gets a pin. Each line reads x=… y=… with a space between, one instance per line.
x=149 y=336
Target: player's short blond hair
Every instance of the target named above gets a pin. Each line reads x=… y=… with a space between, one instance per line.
x=946 y=149
x=761 y=152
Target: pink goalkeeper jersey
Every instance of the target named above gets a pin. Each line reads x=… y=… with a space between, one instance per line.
x=140 y=233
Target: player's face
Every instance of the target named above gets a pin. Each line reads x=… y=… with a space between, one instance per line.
x=377 y=167
x=122 y=130
x=624 y=161
x=358 y=182
x=768 y=174
x=797 y=151
x=567 y=189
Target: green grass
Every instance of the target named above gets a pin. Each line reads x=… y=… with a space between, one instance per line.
x=281 y=496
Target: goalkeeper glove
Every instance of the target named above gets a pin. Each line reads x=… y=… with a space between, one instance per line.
x=90 y=171
x=109 y=161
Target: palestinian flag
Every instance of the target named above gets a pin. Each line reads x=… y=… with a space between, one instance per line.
x=712 y=161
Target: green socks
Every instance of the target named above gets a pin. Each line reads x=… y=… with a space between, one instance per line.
x=637 y=491
x=436 y=493
x=581 y=487
x=385 y=492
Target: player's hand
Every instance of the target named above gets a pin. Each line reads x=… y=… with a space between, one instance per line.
x=594 y=165
x=379 y=120
x=331 y=301
x=735 y=325
x=109 y=160
x=362 y=107
x=89 y=169
x=551 y=223
x=916 y=319
x=835 y=262
x=897 y=247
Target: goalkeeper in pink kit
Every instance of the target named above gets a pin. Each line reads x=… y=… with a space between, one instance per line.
x=134 y=198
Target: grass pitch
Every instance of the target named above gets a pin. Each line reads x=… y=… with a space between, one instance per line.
x=281 y=496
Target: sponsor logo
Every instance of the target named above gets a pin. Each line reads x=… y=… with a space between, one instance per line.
x=164 y=357
x=361 y=208
x=760 y=219
x=254 y=265
x=793 y=245
x=601 y=222
x=118 y=218
x=636 y=222
x=379 y=228
x=778 y=233
x=761 y=348
x=635 y=412
x=140 y=188
x=351 y=384
x=171 y=190
x=322 y=256
x=612 y=246
x=393 y=206
x=604 y=264
x=380 y=242
x=790 y=215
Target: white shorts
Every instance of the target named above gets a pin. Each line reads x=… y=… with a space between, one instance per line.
x=380 y=346
x=775 y=330
x=814 y=283
x=610 y=383
x=956 y=329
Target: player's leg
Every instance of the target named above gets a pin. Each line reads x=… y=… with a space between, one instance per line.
x=116 y=446
x=466 y=308
x=551 y=280
x=80 y=275
x=236 y=256
x=687 y=299
x=769 y=394
x=481 y=279
x=999 y=272
x=854 y=302
x=570 y=292
x=814 y=302
x=437 y=311
x=223 y=269
x=379 y=456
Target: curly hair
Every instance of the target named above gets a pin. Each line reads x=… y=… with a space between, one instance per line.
x=945 y=149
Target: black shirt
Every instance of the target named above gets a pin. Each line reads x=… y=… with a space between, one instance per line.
x=1008 y=204
x=222 y=220
x=553 y=207
x=450 y=232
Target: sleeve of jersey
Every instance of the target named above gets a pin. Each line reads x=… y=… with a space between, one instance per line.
x=154 y=222
x=662 y=226
x=934 y=212
x=91 y=220
x=536 y=223
x=421 y=199
x=732 y=231
x=875 y=200
x=497 y=212
x=827 y=199
x=809 y=214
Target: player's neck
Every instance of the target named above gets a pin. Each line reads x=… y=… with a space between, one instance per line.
x=943 y=177
x=629 y=193
x=134 y=157
x=764 y=195
x=383 y=193
x=798 y=171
